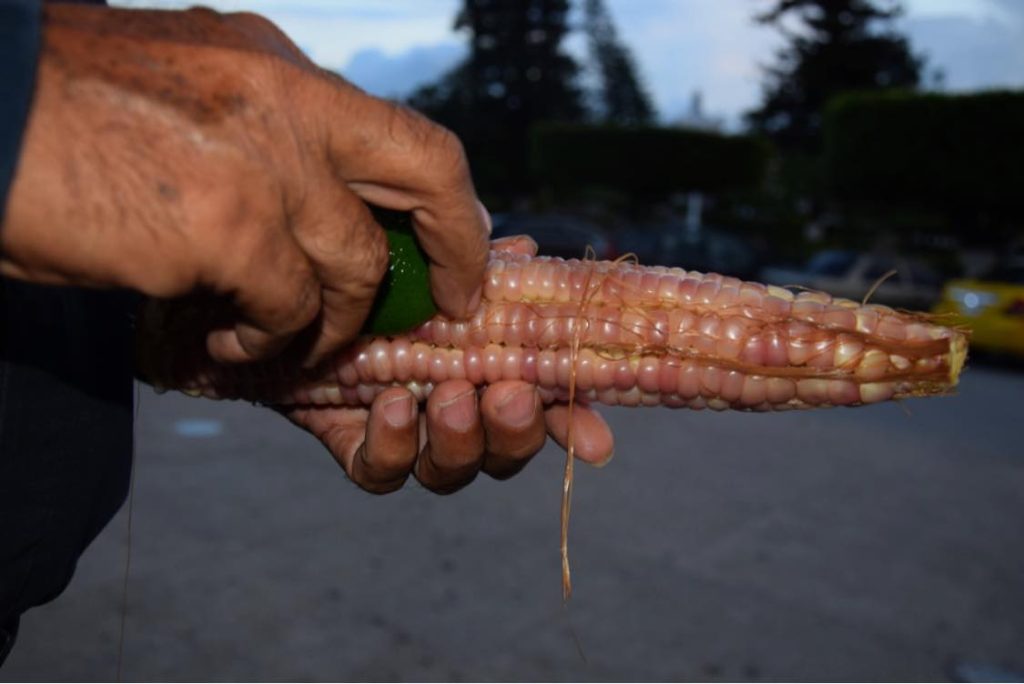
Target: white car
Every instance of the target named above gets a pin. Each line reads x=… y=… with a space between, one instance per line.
x=850 y=274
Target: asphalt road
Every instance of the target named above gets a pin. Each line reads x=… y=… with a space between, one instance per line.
x=876 y=543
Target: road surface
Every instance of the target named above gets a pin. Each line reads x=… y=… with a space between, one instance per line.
x=876 y=543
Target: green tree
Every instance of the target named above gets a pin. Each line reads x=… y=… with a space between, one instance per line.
x=957 y=156
x=838 y=46
x=516 y=75
x=622 y=98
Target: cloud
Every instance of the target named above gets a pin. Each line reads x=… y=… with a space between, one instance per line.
x=681 y=46
x=331 y=32
x=973 y=53
x=397 y=76
x=1012 y=10
x=334 y=33
x=684 y=46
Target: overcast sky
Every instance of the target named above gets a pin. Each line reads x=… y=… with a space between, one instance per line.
x=681 y=46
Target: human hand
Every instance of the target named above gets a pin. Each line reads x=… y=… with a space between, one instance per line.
x=460 y=433
x=170 y=152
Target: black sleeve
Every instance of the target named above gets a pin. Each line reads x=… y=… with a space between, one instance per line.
x=19 y=49
x=65 y=388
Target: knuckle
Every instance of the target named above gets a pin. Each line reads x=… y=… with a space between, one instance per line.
x=447 y=143
x=452 y=482
x=406 y=128
x=260 y=30
x=435 y=146
x=266 y=37
x=369 y=252
x=447 y=154
x=252 y=21
x=381 y=473
x=377 y=257
x=205 y=16
x=507 y=470
x=306 y=305
x=456 y=456
x=380 y=487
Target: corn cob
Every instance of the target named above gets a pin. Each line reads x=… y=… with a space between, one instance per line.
x=609 y=332
x=614 y=333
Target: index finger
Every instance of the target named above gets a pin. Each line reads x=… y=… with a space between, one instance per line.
x=398 y=159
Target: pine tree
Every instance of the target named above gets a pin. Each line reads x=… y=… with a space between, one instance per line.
x=515 y=76
x=621 y=96
x=836 y=48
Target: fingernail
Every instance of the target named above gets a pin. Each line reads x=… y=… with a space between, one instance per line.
x=398 y=412
x=459 y=412
x=526 y=244
x=605 y=461
x=519 y=409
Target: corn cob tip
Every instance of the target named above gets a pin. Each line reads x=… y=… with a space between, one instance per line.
x=957 y=357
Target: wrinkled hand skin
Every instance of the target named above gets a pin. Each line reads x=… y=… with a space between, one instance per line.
x=177 y=152
x=458 y=434
x=171 y=151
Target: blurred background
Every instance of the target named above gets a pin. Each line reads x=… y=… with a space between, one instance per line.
x=820 y=143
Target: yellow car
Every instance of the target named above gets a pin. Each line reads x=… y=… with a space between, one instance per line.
x=993 y=309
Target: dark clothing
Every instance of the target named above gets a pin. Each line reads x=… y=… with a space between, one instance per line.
x=65 y=390
x=19 y=50
x=65 y=432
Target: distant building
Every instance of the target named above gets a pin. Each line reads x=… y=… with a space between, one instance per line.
x=695 y=118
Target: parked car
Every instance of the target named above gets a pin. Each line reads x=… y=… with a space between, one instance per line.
x=712 y=250
x=560 y=235
x=850 y=274
x=992 y=307
x=715 y=251
x=644 y=242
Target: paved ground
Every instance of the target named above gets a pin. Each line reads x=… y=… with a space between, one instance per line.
x=876 y=543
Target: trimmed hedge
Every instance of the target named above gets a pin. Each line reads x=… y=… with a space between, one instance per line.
x=950 y=152
x=644 y=162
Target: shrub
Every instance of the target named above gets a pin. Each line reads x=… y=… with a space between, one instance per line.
x=950 y=152
x=644 y=162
